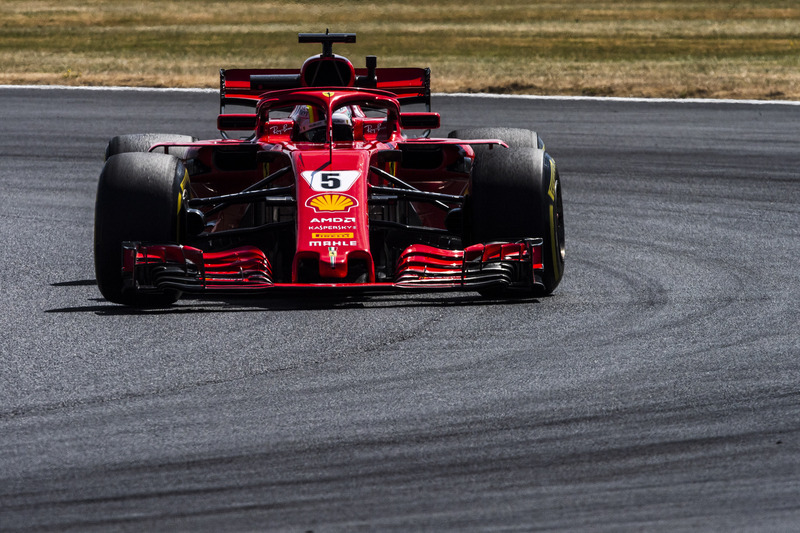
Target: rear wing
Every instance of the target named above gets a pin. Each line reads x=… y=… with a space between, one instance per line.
x=245 y=86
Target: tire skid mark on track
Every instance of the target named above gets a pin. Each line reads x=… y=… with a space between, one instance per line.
x=631 y=398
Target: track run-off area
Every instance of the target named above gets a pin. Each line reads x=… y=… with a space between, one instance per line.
x=657 y=389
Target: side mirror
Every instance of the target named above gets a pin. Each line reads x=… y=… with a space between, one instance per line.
x=237 y=122
x=420 y=121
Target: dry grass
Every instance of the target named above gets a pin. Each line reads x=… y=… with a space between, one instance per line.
x=658 y=48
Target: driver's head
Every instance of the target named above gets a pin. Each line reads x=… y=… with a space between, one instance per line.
x=309 y=124
x=343 y=124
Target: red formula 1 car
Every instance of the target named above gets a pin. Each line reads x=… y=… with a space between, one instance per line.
x=325 y=190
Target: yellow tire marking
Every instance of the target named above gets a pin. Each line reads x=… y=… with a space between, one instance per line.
x=556 y=272
x=551 y=192
x=184 y=183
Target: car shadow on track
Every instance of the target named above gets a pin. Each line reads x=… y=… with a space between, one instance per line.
x=197 y=304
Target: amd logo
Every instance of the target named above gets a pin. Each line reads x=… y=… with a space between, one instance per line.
x=334 y=220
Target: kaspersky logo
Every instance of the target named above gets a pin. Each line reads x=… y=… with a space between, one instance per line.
x=331 y=203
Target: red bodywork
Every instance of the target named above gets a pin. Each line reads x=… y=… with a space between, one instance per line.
x=377 y=211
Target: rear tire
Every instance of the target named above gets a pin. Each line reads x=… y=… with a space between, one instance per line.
x=515 y=193
x=141 y=142
x=139 y=198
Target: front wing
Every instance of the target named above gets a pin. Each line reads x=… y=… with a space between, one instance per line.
x=158 y=267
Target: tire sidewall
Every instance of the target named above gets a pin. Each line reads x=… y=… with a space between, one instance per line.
x=140 y=197
x=551 y=227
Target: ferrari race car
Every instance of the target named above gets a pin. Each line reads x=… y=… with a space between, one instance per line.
x=319 y=186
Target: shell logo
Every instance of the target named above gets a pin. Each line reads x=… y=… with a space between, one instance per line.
x=324 y=203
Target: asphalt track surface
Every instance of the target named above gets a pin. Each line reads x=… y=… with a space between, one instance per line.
x=657 y=389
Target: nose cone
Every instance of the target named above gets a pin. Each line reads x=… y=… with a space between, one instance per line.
x=332 y=217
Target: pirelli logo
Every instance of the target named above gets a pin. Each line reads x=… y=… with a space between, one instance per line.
x=331 y=235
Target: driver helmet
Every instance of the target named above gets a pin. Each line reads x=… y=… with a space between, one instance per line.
x=343 y=124
x=309 y=123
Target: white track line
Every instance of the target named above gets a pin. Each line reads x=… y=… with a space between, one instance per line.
x=109 y=89
x=442 y=95
x=624 y=99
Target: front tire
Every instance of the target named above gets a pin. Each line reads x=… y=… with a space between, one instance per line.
x=140 y=197
x=141 y=142
x=513 y=137
x=515 y=193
